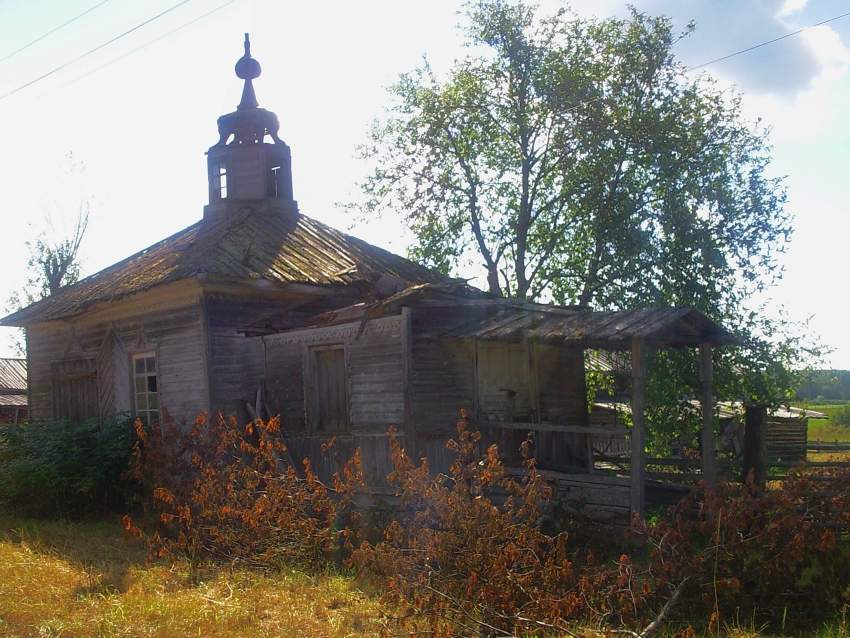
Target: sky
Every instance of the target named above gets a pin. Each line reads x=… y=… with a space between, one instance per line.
x=138 y=114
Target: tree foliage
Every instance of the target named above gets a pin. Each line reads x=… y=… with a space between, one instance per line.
x=576 y=160
x=54 y=261
x=54 y=254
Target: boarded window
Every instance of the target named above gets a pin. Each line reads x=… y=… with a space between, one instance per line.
x=146 y=387
x=330 y=401
x=75 y=394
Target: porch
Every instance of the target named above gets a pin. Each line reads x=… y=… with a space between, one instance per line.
x=414 y=359
x=565 y=448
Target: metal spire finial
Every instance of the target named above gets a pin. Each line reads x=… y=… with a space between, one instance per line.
x=247 y=68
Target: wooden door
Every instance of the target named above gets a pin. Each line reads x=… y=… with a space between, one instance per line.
x=331 y=409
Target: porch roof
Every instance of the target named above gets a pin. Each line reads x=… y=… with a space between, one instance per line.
x=666 y=327
x=488 y=318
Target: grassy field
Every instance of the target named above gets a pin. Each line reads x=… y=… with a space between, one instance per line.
x=83 y=579
x=79 y=580
x=828 y=431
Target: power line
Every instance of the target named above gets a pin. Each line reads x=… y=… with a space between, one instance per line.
x=729 y=55
x=149 y=43
x=94 y=50
x=765 y=43
x=52 y=31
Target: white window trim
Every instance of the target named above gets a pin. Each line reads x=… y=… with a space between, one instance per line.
x=146 y=412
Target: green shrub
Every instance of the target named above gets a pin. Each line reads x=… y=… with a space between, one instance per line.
x=61 y=468
x=842 y=415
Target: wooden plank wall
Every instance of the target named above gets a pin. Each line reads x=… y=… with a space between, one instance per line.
x=374 y=359
x=448 y=375
x=560 y=379
x=505 y=381
x=176 y=335
x=442 y=383
x=562 y=384
x=235 y=362
x=787 y=440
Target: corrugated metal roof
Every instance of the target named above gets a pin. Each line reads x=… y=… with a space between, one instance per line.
x=13 y=400
x=247 y=245
x=13 y=376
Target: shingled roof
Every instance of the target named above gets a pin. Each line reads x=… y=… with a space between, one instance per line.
x=248 y=245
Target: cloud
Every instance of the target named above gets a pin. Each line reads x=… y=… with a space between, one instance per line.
x=792 y=6
x=723 y=27
x=784 y=68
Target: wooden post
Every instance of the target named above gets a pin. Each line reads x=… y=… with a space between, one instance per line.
x=709 y=462
x=411 y=440
x=638 y=426
x=755 y=444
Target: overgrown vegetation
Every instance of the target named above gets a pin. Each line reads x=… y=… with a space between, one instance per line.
x=61 y=468
x=480 y=550
x=472 y=552
x=222 y=492
x=469 y=552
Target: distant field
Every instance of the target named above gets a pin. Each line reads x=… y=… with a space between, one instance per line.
x=825 y=429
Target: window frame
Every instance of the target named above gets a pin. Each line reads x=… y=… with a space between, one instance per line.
x=219 y=180
x=146 y=413
x=274 y=183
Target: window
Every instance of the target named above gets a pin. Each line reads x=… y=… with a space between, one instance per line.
x=330 y=403
x=146 y=387
x=274 y=184
x=220 y=181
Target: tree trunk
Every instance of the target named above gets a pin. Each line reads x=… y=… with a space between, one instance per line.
x=755 y=445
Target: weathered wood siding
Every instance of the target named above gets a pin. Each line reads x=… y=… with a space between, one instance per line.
x=235 y=362
x=787 y=439
x=175 y=334
x=505 y=381
x=561 y=383
x=562 y=391
x=375 y=391
x=495 y=382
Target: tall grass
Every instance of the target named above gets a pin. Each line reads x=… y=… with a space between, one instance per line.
x=82 y=579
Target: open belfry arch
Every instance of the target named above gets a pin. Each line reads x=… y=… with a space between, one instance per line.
x=257 y=309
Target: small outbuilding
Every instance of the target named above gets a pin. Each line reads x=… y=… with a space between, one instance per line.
x=13 y=390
